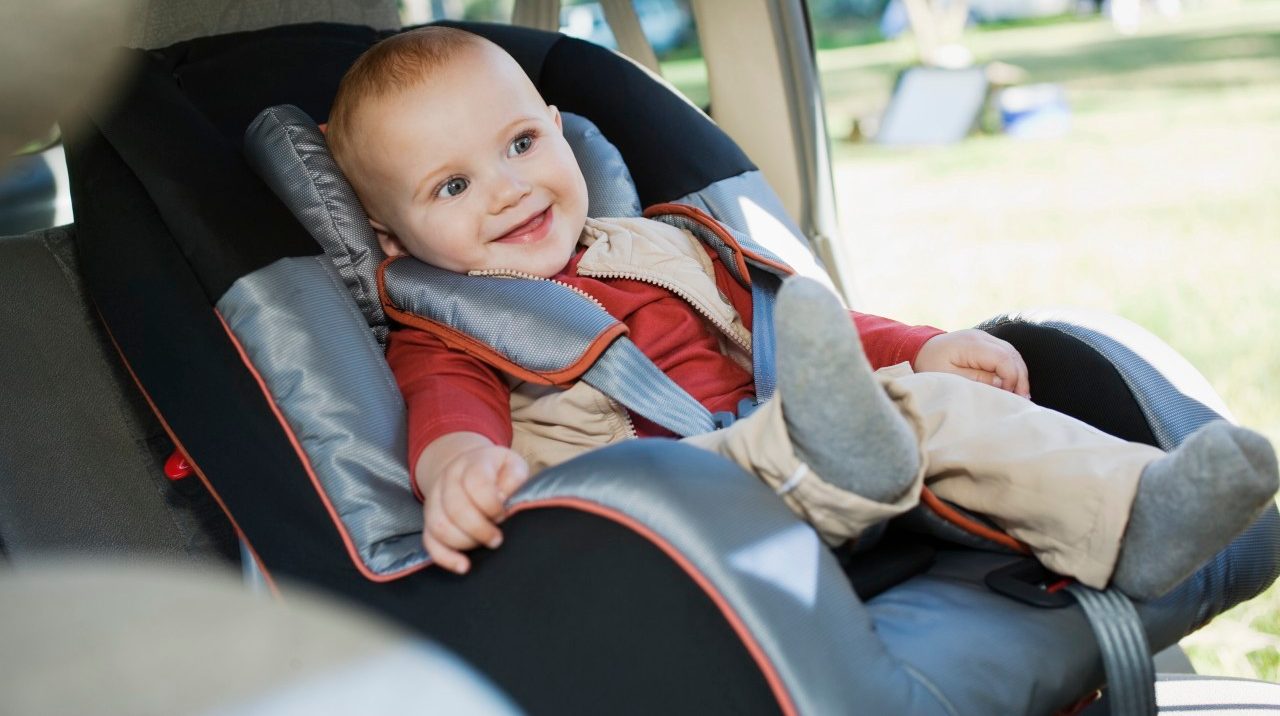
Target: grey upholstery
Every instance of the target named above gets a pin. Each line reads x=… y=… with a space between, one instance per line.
x=494 y=308
x=159 y=23
x=78 y=467
x=749 y=205
x=830 y=650
x=285 y=147
x=610 y=190
x=303 y=334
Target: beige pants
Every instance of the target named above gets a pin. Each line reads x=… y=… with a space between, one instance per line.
x=1060 y=486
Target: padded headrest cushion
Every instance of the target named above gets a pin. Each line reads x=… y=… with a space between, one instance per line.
x=286 y=148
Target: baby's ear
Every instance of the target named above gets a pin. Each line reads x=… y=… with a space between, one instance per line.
x=390 y=243
x=555 y=117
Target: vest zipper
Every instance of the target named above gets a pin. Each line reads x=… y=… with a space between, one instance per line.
x=626 y=417
x=509 y=273
x=726 y=329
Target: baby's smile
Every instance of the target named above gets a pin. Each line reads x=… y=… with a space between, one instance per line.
x=531 y=230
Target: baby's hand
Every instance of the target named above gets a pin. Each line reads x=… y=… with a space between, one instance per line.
x=463 y=500
x=976 y=355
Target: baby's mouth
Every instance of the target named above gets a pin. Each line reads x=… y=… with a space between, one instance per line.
x=531 y=230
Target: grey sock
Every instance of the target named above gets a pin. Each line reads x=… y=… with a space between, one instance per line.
x=1191 y=503
x=840 y=420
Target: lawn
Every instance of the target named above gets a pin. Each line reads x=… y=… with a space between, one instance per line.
x=1161 y=205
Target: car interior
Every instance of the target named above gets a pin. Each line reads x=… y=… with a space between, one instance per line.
x=196 y=374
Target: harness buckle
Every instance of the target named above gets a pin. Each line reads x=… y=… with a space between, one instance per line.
x=1030 y=583
x=724 y=418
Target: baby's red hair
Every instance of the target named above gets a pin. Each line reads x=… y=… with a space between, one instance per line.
x=393 y=65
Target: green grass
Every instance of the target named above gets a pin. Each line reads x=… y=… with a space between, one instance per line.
x=1162 y=205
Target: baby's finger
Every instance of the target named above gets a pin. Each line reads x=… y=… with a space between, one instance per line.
x=446 y=557
x=1006 y=370
x=482 y=489
x=468 y=519
x=442 y=525
x=1007 y=363
x=1023 y=387
x=981 y=376
x=513 y=473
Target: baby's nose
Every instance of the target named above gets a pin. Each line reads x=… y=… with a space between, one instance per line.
x=509 y=190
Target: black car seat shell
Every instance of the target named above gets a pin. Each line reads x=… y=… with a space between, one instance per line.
x=640 y=578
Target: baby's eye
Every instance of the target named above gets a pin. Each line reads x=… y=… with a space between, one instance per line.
x=520 y=145
x=453 y=187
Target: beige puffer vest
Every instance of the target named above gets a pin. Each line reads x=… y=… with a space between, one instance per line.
x=550 y=424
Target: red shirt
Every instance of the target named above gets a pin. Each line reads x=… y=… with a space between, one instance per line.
x=446 y=390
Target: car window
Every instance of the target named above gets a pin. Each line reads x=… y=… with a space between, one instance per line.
x=34 y=191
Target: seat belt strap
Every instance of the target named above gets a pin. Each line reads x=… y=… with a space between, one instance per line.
x=764 y=364
x=625 y=24
x=1126 y=656
x=628 y=376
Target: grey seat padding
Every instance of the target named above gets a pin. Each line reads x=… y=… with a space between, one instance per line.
x=78 y=471
x=939 y=643
x=1173 y=395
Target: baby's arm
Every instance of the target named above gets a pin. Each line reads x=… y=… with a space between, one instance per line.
x=465 y=479
x=458 y=418
x=971 y=353
x=976 y=355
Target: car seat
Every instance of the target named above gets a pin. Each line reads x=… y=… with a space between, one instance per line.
x=640 y=578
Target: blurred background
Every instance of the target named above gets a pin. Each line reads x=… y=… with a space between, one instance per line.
x=997 y=155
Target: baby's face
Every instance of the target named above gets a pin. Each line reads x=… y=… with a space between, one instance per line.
x=469 y=171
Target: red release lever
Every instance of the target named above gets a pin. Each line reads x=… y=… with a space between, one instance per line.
x=177 y=467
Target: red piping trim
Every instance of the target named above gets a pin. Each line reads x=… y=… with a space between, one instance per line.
x=1059 y=585
x=204 y=479
x=716 y=228
x=950 y=514
x=486 y=354
x=748 y=640
x=1080 y=704
x=352 y=552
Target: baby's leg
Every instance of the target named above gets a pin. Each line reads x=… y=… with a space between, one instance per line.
x=832 y=443
x=1191 y=503
x=1088 y=504
x=840 y=421
x=760 y=445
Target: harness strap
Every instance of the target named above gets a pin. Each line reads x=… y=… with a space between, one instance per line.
x=629 y=377
x=1126 y=656
x=764 y=362
x=750 y=263
x=578 y=340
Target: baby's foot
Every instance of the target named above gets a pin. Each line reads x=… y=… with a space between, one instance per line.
x=840 y=421
x=1191 y=503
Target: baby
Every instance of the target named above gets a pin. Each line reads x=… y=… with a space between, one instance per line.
x=460 y=163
